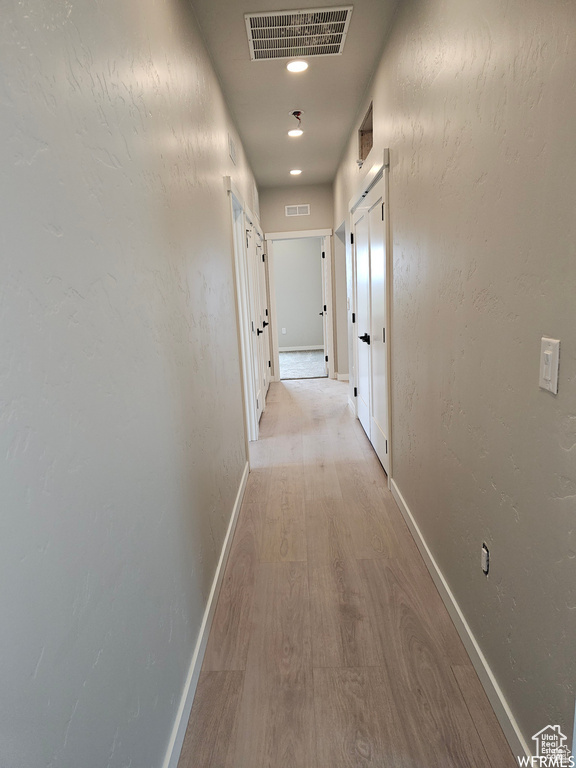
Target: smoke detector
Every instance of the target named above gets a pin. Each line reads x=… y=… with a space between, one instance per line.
x=287 y=34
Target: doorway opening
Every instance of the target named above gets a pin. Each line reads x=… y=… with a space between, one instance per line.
x=299 y=308
x=302 y=333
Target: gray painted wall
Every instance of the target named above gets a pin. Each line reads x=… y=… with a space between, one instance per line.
x=476 y=100
x=298 y=291
x=121 y=427
x=273 y=202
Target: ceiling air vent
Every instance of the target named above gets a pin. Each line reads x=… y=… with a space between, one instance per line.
x=309 y=32
x=298 y=210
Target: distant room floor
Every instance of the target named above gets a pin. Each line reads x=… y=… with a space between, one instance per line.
x=302 y=365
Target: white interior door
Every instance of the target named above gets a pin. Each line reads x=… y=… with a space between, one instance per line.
x=244 y=316
x=363 y=324
x=372 y=341
x=255 y=319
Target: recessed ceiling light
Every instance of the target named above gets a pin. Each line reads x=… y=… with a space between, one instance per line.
x=296 y=172
x=297 y=66
x=296 y=132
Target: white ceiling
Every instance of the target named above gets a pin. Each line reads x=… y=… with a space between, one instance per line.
x=261 y=94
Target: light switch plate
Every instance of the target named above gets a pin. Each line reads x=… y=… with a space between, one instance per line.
x=549 y=360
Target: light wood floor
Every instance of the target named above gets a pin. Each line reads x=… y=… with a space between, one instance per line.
x=330 y=646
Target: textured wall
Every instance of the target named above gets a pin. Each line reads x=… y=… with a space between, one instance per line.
x=298 y=290
x=121 y=428
x=476 y=100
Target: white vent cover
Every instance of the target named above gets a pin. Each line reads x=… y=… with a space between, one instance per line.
x=298 y=210
x=309 y=32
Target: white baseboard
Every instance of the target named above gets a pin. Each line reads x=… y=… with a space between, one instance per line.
x=352 y=407
x=183 y=715
x=501 y=709
x=343 y=376
x=313 y=348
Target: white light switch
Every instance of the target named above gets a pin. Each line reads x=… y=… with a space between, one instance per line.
x=549 y=359
x=283 y=330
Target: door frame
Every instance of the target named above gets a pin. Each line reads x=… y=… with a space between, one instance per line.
x=270 y=237
x=379 y=171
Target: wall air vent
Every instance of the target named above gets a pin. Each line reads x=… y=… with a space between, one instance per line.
x=309 y=32
x=298 y=210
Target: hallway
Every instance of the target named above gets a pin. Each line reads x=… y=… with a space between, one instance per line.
x=330 y=645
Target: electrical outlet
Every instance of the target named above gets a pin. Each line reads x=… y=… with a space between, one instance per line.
x=485 y=560
x=283 y=330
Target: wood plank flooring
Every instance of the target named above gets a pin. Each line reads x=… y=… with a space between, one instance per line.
x=330 y=645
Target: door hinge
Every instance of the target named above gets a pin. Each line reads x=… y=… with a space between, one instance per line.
x=384 y=335
x=351 y=238
x=326 y=358
x=323 y=255
x=353 y=317
x=257 y=404
x=324 y=307
x=386 y=446
x=263 y=257
x=382 y=211
x=269 y=364
x=355 y=391
x=266 y=312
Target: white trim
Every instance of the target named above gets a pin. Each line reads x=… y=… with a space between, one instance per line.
x=369 y=179
x=493 y=691
x=183 y=715
x=352 y=407
x=229 y=186
x=343 y=376
x=296 y=235
x=313 y=348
